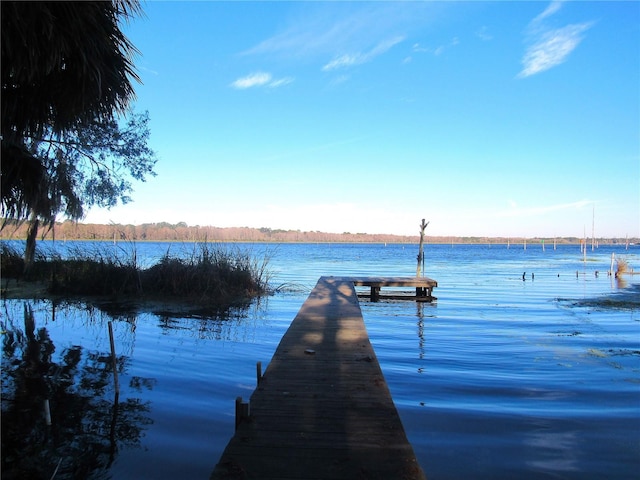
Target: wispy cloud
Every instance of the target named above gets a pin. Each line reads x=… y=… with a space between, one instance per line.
x=145 y=69
x=483 y=34
x=358 y=58
x=280 y=82
x=552 y=8
x=253 y=80
x=439 y=50
x=549 y=47
x=339 y=35
x=260 y=79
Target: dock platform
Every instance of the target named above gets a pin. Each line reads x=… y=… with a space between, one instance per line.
x=322 y=409
x=424 y=286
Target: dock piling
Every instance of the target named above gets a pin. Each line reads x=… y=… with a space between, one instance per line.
x=258 y=373
x=242 y=411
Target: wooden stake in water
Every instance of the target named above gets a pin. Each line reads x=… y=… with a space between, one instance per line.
x=613 y=258
x=242 y=411
x=114 y=364
x=423 y=225
x=258 y=372
x=47 y=412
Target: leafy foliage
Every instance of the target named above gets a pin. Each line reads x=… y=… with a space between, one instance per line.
x=91 y=166
x=67 y=75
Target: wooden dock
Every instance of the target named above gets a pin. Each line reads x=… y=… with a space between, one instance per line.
x=424 y=286
x=322 y=409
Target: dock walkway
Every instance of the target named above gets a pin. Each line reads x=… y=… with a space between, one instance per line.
x=423 y=285
x=322 y=409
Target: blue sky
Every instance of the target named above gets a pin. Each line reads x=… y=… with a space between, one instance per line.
x=484 y=118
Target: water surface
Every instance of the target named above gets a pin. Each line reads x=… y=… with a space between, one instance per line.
x=499 y=378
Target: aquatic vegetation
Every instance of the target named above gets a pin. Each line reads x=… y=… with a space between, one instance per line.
x=211 y=275
x=11 y=261
x=622 y=266
x=626 y=299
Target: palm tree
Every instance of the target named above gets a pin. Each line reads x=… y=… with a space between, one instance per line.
x=64 y=64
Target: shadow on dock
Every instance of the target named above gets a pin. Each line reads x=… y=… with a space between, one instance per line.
x=323 y=409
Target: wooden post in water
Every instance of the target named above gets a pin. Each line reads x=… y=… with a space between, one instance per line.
x=423 y=225
x=258 y=372
x=114 y=363
x=242 y=411
x=613 y=258
x=47 y=412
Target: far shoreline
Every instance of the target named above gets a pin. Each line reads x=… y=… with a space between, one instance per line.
x=515 y=243
x=181 y=232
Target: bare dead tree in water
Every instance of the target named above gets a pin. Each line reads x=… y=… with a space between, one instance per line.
x=423 y=226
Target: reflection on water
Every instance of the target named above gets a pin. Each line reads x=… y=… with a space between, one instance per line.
x=60 y=416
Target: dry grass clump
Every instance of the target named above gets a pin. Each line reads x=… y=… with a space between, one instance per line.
x=212 y=275
x=622 y=266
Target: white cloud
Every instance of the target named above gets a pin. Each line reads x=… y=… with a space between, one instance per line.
x=280 y=82
x=344 y=61
x=253 y=80
x=348 y=60
x=260 y=79
x=318 y=29
x=549 y=47
x=552 y=48
x=552 y=8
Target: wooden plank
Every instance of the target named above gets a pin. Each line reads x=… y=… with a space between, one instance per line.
x=322 y=409
x=392 y=281
x=423 y=287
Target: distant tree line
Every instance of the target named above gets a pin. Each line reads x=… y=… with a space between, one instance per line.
x=181 y=232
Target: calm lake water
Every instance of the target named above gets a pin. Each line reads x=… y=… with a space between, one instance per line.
x=498 y=378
